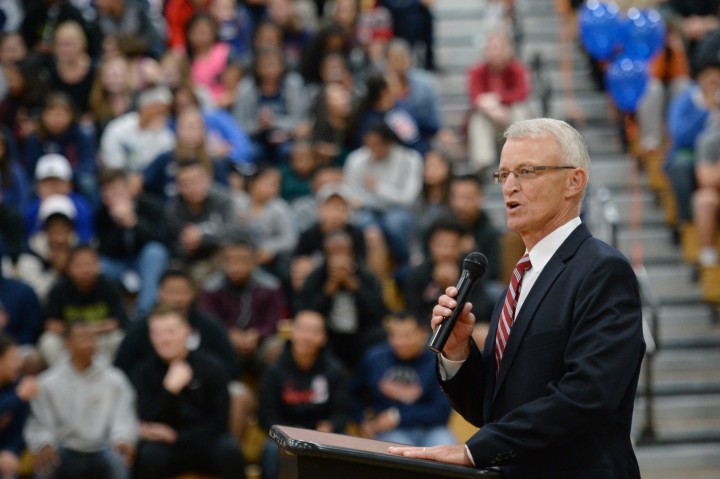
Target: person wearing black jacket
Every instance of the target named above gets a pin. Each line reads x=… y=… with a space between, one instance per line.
x=306 y=387
x=133 y=237
x=348 y=295
x=183 y=406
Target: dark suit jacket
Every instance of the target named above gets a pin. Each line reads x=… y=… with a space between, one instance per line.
x=561 y=406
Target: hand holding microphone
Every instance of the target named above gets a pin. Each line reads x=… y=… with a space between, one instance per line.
x=474 y=267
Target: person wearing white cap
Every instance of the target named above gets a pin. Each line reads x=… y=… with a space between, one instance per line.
x=54 y=177
x=132 y=141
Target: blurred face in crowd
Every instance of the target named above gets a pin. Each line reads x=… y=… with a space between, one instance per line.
x=308 y=333
x=114 y=75
x=238 y=263
x=10 y=364
x=265 y=186
x=84 y=269
x=69 y=41
x=190 y=129
x=201 y=35
x=334 y=213
x=280 y=12
x=115 y=192
x=445 y=246
x=399 y=59
x=58 y=230
x=465 y=199
x=270 y=66
x=407 y=339
x=333 y=69
x=302 y=160
x=12 y=48
x=498 y=52
x=338 y=101
x=345 y=13
x=193 y=183
x=437 y=169
x=379 y=147
x=52 y=186
x=176 y=292
x=327 y=176
x=223 y=10
x=268 y=36
x=709 y=82
x=168 y=334
x=339 y=249
x=81 y=343
x=57 y=118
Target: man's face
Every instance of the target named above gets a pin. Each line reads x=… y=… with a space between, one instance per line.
x=535 y=206
x=445 y=246
x=82 y=343
x=117 y=191
x=238 y=263
x=84 y=269
x=406 y=339
x=334 y=213
x=52 y=186
x=465 y=200
x=379 y=148
x=193 y=184
x=308 y=332
x=177 y=293
x=168 y=335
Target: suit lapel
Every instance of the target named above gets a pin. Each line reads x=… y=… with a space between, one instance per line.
x=537 y=294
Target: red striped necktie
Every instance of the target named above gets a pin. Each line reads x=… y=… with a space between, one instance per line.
x=507 y=315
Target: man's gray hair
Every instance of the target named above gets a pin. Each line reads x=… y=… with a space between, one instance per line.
x=573 y=149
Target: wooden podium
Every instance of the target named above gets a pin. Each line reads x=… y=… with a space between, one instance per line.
x=308 y=454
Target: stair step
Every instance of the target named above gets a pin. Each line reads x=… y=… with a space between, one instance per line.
x=697 y=461
x=673 y=284
x=678 y=417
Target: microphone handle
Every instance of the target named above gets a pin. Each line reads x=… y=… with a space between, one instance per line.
x=442 y=332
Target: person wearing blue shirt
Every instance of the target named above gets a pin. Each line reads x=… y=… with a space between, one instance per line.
x=396 y=381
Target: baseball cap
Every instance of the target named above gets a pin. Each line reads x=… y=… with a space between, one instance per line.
x=53 y=165
x=331 y=190
x=57 y=205
x=154 y=95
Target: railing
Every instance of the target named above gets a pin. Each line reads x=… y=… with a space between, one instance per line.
x=605 y=222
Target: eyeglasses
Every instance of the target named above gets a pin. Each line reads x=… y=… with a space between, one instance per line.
x=527 y=172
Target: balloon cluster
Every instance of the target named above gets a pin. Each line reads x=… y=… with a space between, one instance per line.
x=627 y=42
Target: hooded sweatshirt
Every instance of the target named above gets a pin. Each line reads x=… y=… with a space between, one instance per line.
x=85 y=411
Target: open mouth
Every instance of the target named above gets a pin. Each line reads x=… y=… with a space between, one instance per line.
x=511 y=205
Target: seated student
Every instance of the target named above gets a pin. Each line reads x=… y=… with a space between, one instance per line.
x=15 y=396
x=198 y=218
x=93 y=434
x=306 y=387
x=182 y=404
x=349 y=297
x=177 y=290
x=53 y=176
x=248 y=301
x=333 y=210
x=51 y=246
x=428 y=281
x=269 y=220
x=297 y=174
x=20 y=312
x=133 y=237
x=396 y=381
x=706 y=202
x=84 y=294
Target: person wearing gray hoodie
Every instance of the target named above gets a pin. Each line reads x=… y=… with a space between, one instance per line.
x=82 y=422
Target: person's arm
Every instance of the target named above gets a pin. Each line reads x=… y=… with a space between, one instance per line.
x=684 y=121
x=517 y=88
x=432 y=408
x=340 y=400
x=246 y=110
x=295 y=102
x=476 y=84
x=604 y=345
x=31 y=314
x=285 y=236
x=134 y=348
x=269 y=399
x=231 y=131
x=313 y=295
x=368 y=298
x=217 y=405
x=124 y=424
x=112 y=154
x=39 y=430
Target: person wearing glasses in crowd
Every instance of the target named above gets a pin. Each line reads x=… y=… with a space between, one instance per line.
x=553 y=388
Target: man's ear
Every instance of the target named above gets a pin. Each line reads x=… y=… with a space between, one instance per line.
x=576 y=182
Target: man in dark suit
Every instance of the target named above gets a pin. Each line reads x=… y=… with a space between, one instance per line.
x=553 y=389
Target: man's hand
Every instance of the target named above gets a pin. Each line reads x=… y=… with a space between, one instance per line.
x=46 y=461
x=9 y=464
x=404 y=393
x=457 y=347
x=178 y=376
x=27 y=389
x=127 y=451
x=123 y=213
x=157 y=432
x=456 y=454
x=190 y=239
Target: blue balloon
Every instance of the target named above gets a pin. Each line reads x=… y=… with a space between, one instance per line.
x=643 y=34
x=626 y=79
x=600 y=26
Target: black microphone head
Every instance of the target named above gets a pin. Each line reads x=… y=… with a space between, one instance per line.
x=475 y=264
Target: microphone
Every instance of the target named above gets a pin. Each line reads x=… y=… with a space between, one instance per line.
x=474 y=266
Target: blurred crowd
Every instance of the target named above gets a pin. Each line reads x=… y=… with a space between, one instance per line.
x=220 y=215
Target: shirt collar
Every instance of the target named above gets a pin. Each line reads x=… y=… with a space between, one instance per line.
x=546 y=247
